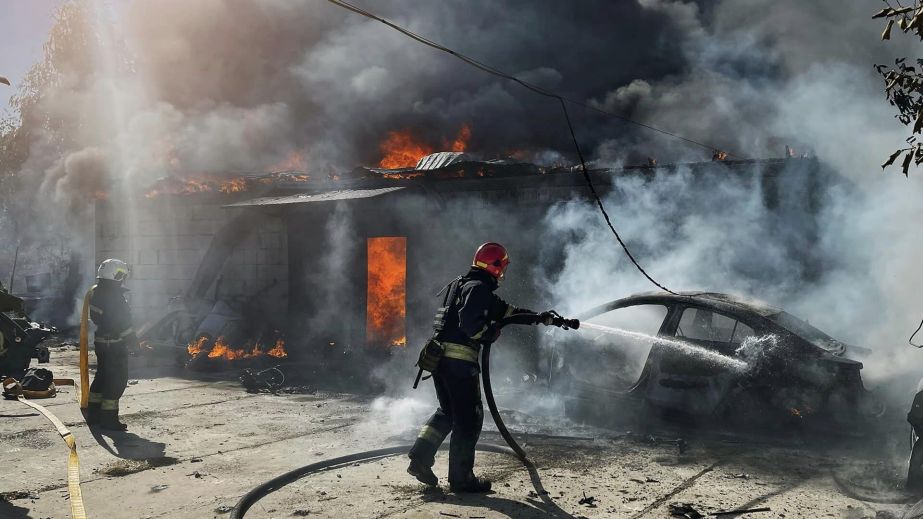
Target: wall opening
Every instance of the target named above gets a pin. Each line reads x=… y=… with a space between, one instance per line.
x=386 y=303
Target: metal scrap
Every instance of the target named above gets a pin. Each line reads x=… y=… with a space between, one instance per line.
x=590 y=501
x=685 y=510
x=732 y=513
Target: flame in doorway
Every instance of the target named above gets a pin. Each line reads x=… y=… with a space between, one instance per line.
x=386 y=307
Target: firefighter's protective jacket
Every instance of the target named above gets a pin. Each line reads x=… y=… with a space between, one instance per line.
x=110 y=312
x=474 y=310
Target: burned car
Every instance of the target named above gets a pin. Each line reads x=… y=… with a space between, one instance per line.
x=708 y=357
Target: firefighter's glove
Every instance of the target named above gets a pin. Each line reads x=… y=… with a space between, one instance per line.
x=547 y=318
x=491 y=335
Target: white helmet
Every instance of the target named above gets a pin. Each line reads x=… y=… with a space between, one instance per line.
x=114 y=269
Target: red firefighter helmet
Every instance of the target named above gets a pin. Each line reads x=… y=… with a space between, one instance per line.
x=493 y=258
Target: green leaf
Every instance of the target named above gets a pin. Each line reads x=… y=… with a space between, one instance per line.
x=891 y=159
x=887 y=34
x=918 y=125
x=884 y=12
x=906 y=165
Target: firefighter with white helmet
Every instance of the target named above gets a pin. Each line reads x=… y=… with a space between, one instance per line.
x=109 y=311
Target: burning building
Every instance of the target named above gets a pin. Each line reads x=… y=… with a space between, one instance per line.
x=354 y=260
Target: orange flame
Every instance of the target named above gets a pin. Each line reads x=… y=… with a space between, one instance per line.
x=211 y=184
x=402 y=150
x=294 y=162
x=278 y=351
x=222 y=350
x=801 y=413
x=185 y=186
x=461 y=140
x=195 y=346
x=235 y=185
x=386 y=304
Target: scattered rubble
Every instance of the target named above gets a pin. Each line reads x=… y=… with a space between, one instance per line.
x=735 y=513
x=684 y=510
x=589 y=501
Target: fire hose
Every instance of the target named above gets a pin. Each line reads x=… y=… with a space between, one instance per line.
x=13 y=389
x=261 y=491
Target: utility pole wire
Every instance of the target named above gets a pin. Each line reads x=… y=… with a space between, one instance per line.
x=541 y=91
x=525 y=84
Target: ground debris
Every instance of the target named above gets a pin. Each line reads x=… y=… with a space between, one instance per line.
x=734 y=513
x=590 y=501
x=17 y=494
x=685 y=510
x=128 y=467
x=737 y=476
x=224 y=509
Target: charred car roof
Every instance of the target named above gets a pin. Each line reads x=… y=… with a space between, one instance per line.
x=727 y=302
x=740 y=307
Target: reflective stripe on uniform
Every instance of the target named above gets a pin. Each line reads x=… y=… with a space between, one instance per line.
x=96 y=397
x=431 y=434
x=118 y=338
x=96 y=309
x=460 y=352
x=109 y=405
x=480 y=333
x=509 y=311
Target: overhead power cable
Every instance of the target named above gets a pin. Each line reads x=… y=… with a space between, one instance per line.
x=547 y=93
x=915 y=332
x=531 y=86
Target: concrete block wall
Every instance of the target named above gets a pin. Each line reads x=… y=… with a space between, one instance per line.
x=165 y=239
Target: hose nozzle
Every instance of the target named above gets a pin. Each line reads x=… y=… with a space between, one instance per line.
x=562 y=322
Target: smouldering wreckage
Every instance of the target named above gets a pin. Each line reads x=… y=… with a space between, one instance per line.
x=201 y=333
x=713 y=357
x=20 y=337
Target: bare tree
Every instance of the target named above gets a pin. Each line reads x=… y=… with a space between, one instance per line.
x=904 y=81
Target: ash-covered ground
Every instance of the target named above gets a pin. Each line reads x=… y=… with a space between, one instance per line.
x=196 y=444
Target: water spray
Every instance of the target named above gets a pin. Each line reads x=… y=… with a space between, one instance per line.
x=687 y=348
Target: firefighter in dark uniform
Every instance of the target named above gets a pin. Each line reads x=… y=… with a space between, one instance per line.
x=465 y=321
x=114 y=334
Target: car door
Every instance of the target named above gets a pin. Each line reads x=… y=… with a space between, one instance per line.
x=609 y=350
x=691 y=373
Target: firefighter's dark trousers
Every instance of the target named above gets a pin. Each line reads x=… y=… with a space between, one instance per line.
x=460 y=412
x=915 y=472
x=111 y=377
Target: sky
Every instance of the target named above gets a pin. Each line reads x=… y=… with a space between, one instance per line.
x=24 y=26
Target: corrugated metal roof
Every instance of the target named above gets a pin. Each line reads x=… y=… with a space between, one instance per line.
x=440 y=160
x=307 y=198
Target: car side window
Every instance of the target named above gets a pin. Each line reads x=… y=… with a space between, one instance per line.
x=705 y=325
x=742 y=333
x=645 y=319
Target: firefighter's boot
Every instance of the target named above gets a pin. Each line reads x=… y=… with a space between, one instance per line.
x=472 y=485
x=423 y=473
x=109 y=416
x=92 y=416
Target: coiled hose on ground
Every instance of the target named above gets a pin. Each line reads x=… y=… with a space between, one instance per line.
x=261 y=491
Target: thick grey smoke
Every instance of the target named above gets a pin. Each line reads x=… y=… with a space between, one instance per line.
x=230 y=86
